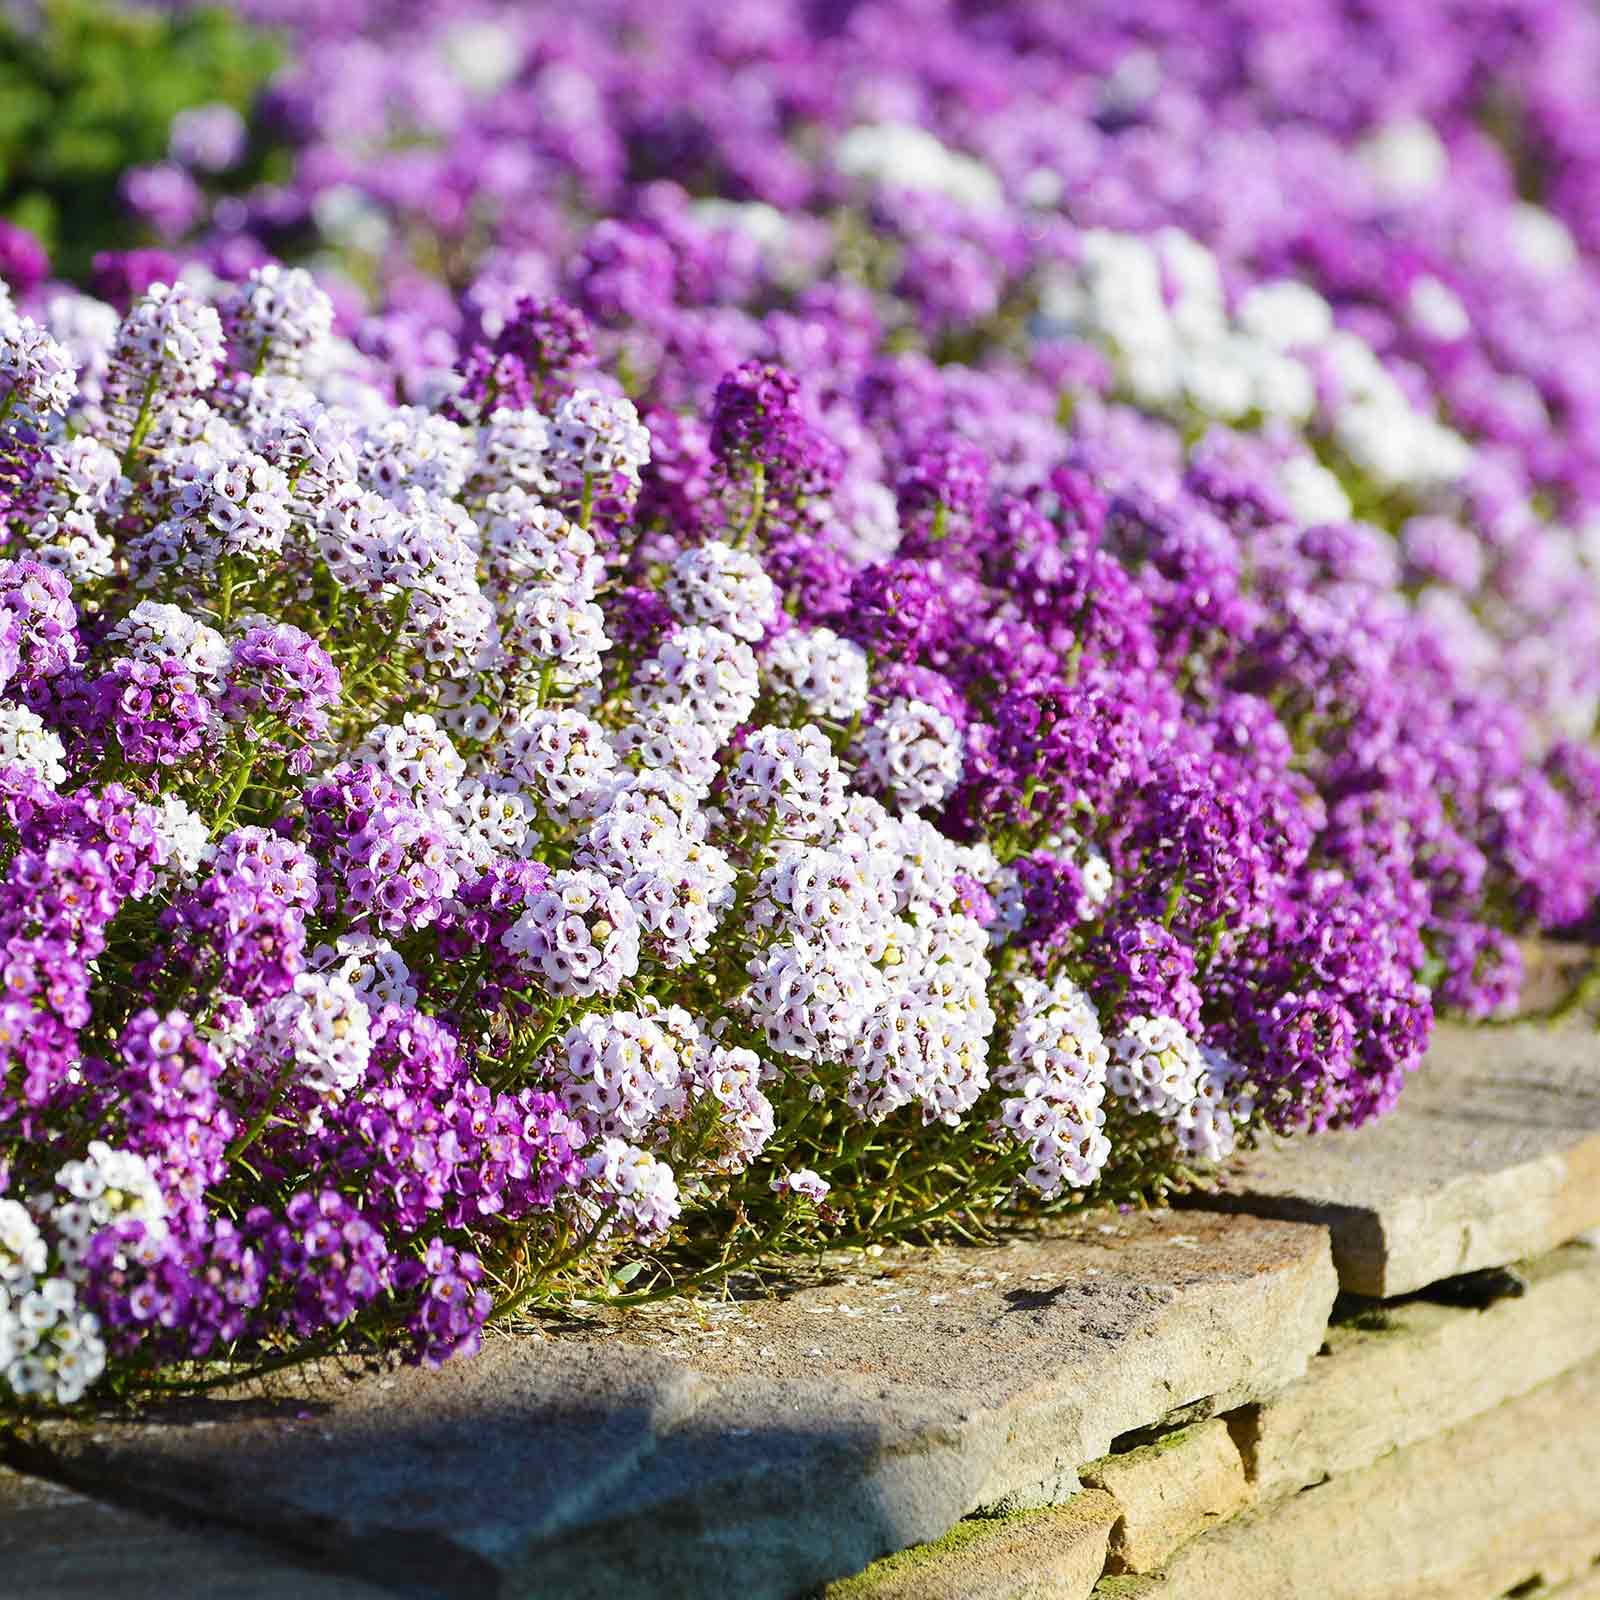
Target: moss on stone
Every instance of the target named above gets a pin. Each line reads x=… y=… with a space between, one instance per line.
x=893 y=1568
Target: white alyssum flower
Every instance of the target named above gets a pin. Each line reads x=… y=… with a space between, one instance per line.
x=409 y=448
x=50 y=1348
x=802 y=1182
x=579 y=935
x=86 y=329
x=620 y=1074
x=912 y=752
x=1055 y=1069
x=706 y=669
x=1436 y=309
x=595 y=437
x=826 y=673
x=154 y=631
x=916 y=1052
x=875 y=963
x=732 y=1077
x=77 y=489
x=525 y=542
x=169 y=344
x=1406 y=158
x=1156 y=1066
x=26 y=742
x=811 y=1000
x=1157 y=306
x=551 y=627
x=645 y=818
x=420 y=756
x=559 y=756
x=106 y=1186
x=184 y=836
x=726 y=588
x=902 y=155
x=831 y=897
x=1315 y=494
x=1374 y=423
x=375 y=971
x=680 y=900
x=277 y=319
x=1284 y=314
x=492 y=820
x=37 y=377
x=638 y=1187
x=1098 y=880
x=419 y=549
x=670 y=736
x=787 y=779
x=24 y=1254
x=241 y=505
x=1207 y=1128
x=1542 y=241
x=320 y=1032
x=513 y=454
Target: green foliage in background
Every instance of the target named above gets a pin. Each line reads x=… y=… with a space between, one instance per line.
x=88 y=89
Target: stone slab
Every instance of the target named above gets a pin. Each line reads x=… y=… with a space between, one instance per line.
x=1057 y=1553
x=56 y=1544
x=1169 y=1491
x=1504 y=1501
x=1403 y=1371
x=1493 y=1155
x=784 y=1441
x=1550 y=973
x=1586 y=1586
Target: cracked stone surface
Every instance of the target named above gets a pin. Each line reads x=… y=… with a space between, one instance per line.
x=787 y=1440
x=1493 y=1155
x=1501 y=1504
x=1406 y=1371
x=1168 y=1492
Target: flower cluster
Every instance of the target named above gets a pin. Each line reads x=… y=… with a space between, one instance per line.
x=867 y=694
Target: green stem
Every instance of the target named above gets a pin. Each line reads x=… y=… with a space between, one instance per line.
x=1174 y=900
x=279 y=1085
x=225 y=605
x=141 y=426
x=510 y=1307
x=230 y=799
x=758 y=506
x=706 y=1275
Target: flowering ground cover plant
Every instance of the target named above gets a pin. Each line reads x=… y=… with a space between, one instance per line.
x=766 y=720
x=424 y=867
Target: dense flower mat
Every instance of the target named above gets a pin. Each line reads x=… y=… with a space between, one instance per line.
x=875 y=612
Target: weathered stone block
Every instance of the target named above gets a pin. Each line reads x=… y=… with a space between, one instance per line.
x=1057 y=1553
x=56 y=1544
x=1405 y=1371
x=1169 y=1491
x=1586 y=1586
x=1550 y=971
x=788 y=1441
x=1504 y=1500
x=1493 y=1155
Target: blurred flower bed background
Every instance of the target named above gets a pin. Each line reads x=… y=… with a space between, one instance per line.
x=641 y=636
